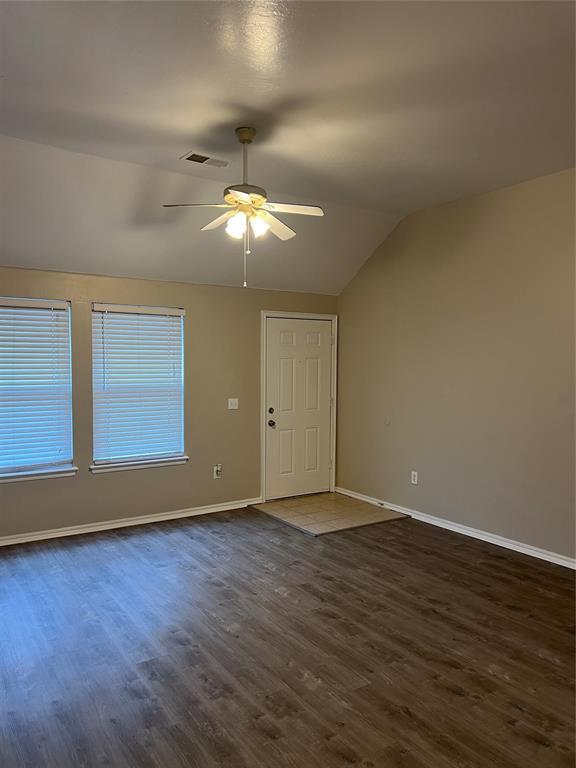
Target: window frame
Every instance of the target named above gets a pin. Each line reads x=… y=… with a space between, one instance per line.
x=99 y=466
x=65 y=468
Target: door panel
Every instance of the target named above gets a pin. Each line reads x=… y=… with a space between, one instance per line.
x=298 y=388
x=286 y=451
x=286 y=378
x=312 y=462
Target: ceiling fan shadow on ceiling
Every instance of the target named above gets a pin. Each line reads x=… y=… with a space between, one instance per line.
x=248 y=209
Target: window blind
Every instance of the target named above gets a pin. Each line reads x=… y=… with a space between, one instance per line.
x=138 y=386
x=35 y=385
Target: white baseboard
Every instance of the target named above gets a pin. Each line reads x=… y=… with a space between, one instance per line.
x=492 y=538
x=475 y=533
x=106 y=525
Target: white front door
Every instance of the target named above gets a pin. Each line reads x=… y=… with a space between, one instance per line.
x=298 y=406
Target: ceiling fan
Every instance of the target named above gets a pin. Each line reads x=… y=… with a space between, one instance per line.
x=248 y=208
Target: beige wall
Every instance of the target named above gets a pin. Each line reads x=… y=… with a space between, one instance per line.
x=222 y=359
x=457 y=360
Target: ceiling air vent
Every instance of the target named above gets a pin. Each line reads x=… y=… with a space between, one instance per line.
x=194 y=157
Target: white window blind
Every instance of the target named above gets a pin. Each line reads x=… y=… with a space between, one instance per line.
x=35 y=385
x=138 y=386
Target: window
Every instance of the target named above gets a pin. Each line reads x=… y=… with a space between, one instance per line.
x=138 y=386
x=35 y=389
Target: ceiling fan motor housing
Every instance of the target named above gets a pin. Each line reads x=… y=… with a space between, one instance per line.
x=257 y=194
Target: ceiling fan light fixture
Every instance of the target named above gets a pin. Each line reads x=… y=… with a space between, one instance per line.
x=259 y=226
x=248 y=212
x=236 y=226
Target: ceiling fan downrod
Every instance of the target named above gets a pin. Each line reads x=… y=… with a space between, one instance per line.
x=246 y=135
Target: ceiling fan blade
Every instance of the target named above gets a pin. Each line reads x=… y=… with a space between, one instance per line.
x=196 y=205
x=304 y=210
x=277 y=227
x=218 y=222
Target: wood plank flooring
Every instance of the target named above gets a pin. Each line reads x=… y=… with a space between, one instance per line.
x=235 y=641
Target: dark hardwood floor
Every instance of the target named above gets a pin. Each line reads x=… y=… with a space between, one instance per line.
x=234 y=640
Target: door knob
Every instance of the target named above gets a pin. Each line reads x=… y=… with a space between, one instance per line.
x=271 y=423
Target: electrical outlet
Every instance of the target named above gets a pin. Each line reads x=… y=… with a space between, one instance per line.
x=232 y=403
x=217 y=472
x=414 y=477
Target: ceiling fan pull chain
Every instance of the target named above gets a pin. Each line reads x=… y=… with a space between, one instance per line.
x=246 y=252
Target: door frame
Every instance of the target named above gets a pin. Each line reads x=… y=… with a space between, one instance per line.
x=264 y=315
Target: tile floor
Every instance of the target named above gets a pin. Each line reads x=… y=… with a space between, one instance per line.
x=321 y=513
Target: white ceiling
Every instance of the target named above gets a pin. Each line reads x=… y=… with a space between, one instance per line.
x=371 y=109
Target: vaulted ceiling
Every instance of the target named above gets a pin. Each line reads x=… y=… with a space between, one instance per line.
x=372 y=110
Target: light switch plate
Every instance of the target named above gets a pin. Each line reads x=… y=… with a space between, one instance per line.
x=232 y=403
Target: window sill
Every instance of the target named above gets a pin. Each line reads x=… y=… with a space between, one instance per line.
x=67 y=470
x=121 y=466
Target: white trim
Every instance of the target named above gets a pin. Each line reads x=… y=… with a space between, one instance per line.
x=137 y=309
x=119 y=466
x=297 y=315
x=465 y=530
x=334 y=402
x=264 y=315
x=46 y=473
x=11 y=301
x=106 y=525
